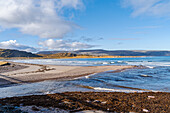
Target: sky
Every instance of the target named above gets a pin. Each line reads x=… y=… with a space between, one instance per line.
x=41 y=25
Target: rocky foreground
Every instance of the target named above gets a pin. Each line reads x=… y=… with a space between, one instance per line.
x=152 y=102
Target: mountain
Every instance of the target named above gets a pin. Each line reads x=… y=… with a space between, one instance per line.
x=58 y=55
x=113 y=52
x=124 y=52
x=51 y=52
x=7 y=53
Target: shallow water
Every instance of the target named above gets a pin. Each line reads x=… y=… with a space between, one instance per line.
x=154 y=78
x=147 y=61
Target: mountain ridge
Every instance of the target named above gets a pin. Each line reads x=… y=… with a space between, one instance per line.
x=9 y=53
x=114 y=52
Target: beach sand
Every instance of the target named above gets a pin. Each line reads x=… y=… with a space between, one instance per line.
x=35 y=73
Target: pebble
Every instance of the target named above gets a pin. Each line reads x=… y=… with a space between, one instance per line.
x=149 y=97
x=66 y=102
x=145 y=110
x=104 y=102
x=88 y=101
x=96 y=101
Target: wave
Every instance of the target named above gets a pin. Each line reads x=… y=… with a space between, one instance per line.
x=111 y=89
x=88 y=76
x=56 y=62
x=143 y=75
x=151 y=67
x=68 y=62
x=116 y=90
x=149 y=64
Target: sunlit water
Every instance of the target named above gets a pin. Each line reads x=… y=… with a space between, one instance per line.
x=154 y=78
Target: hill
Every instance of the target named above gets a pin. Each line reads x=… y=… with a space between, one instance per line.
x=58 y=55
x=72 y=55
x=113 y=52
x=52 y=52
x=8 y=53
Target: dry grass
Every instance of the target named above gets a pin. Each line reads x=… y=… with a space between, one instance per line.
x=3 y=63
x=53 y=56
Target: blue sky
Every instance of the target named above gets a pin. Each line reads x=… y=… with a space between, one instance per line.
x=80 y=24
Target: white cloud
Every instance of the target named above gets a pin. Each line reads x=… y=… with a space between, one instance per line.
x=38 y=17
x=49 y=44
x=64 y=45
x=148 y=7
x=12 y=44
x=70 y=3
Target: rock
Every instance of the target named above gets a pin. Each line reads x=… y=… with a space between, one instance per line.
x=149 y=97
x=96 y=101
x=145 y=110
x=35 y=108
x=104 y=102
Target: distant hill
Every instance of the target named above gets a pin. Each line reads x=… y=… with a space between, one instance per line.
x=72 y=55
x=124 y=52
x=8 y=53
x=58 y=55
x=52 y=52
x=113 y=52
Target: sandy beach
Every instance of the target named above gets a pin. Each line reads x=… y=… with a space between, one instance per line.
x=18 y=73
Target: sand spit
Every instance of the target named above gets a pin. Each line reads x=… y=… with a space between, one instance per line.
x=8 y=67
x=101 y=101
x=36 y=73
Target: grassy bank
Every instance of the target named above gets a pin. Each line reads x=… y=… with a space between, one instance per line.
x=67 y=57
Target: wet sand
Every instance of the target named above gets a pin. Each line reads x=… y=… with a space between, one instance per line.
x=35 y=73
x=11 y=67
x=103 y=101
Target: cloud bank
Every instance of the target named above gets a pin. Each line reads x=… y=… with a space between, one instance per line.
x=42 y=18
x=12 y=44
x=49 y=44
x=148 y=7
x=64 y=45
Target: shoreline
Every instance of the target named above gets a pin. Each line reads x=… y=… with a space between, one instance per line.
x=77 y=101
x=36 y=73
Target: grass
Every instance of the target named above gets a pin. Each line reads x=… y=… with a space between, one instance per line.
x=3 y=63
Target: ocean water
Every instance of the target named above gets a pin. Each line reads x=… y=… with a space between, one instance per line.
x=156 y=77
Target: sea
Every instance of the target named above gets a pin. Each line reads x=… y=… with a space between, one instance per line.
x=155 y=77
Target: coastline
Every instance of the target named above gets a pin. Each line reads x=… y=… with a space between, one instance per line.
x=77 y=101
x=37 y=73
x=76 y=57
